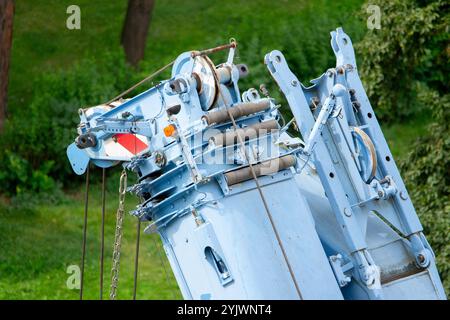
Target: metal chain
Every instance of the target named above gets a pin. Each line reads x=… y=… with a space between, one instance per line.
x=123 y=186
x=118 y=236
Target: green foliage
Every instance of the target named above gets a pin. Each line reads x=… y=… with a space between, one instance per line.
x=16 y=174
x=405 y=68
x=43 y=114
x=35 y=139
x=427 y=174
x=409 y=47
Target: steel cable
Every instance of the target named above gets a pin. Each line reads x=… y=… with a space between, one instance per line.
x=244 y=150
x=102 y=240
x=136 y=257
x=83 y=250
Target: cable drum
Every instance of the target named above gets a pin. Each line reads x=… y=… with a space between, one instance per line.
x=237 y=111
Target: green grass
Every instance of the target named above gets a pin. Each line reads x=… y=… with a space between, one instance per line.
x=39 y=241
x=42 y=43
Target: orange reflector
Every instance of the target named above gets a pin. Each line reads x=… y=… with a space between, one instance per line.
x=170 y=130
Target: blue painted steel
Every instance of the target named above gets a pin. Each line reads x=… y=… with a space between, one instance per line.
x=343 y=215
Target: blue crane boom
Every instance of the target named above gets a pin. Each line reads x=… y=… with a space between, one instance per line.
x=246 y=209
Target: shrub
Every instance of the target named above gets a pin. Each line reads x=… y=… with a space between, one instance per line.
x=427 y=174
x=412 y=41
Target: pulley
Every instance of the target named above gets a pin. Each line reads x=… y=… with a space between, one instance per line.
x=367 y=155
x=207 y=87
x=203 y=71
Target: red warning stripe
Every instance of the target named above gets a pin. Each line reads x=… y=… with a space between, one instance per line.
x=130 y=142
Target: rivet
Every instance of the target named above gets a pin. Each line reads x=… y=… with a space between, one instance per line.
x=403 y=195
x=347 y=212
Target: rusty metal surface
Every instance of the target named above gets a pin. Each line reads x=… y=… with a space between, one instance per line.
x=213 y=50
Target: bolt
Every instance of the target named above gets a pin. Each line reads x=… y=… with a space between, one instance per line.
x=403 y=195
x=380 y=194
x=294 y=83
x=160 y=159
x=421 y=258
x=347 y=212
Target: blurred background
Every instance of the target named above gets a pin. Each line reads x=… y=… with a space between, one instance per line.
x=48 y=71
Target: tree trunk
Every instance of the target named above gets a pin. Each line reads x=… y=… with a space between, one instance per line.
x=6 y=26
x=135 y=29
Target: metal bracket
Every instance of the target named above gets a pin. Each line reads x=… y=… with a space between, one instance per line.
x=339 y=269
x=124 y=126
x=292 y=89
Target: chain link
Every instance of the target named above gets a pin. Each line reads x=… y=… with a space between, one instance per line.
x=118 y=236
